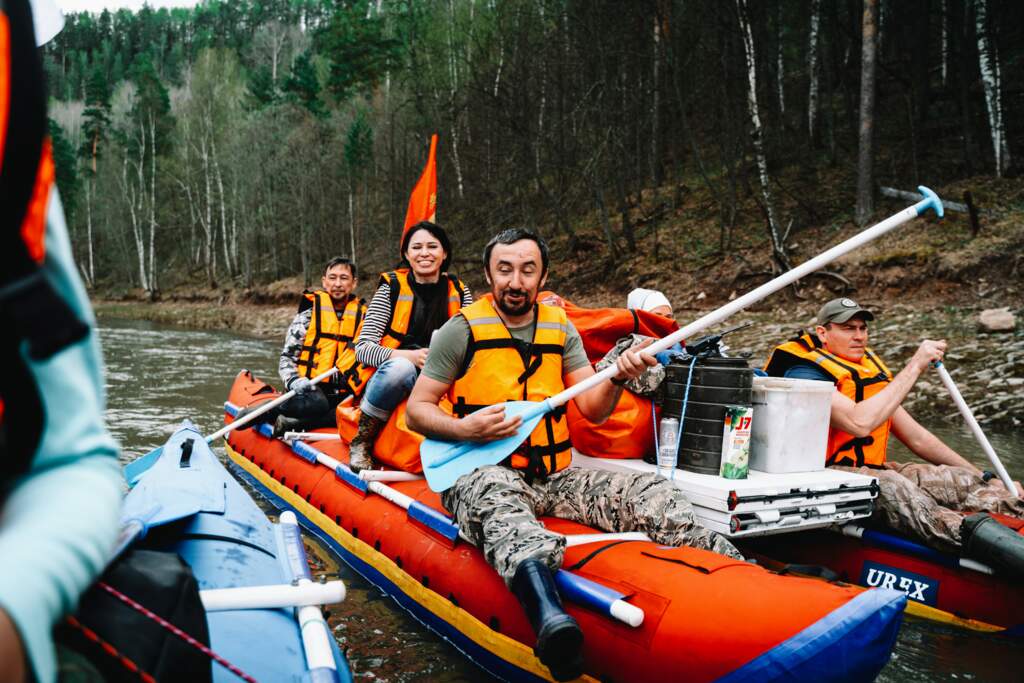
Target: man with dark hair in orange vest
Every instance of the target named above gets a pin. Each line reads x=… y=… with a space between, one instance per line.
x=509 y=346
x=321 y=336
x=920 y=499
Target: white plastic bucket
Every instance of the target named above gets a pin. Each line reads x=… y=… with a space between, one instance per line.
x=790 y=429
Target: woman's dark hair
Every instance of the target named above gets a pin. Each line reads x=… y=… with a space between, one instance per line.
x=438 y=232
x=342 y=261
x=511 y=236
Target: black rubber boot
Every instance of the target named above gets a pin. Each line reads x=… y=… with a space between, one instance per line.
x=283 y=424
x=986 y=540
x=559 y=638
x=360 y=451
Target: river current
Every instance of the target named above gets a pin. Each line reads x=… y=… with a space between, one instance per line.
x=158 y=376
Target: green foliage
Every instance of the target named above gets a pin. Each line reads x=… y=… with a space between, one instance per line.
x=151 y=106
x=66 y=168
x=261 y=86
x=302 y=86
x=95 y=118
x=359 y=48
x=359 y=144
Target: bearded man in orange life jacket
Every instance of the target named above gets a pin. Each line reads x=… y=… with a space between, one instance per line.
x=508 y=346
x=321 y=336
x=923 y=500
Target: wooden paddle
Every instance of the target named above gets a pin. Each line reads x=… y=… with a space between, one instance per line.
x=446 y=461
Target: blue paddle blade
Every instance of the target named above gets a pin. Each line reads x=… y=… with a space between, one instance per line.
x=446 y=461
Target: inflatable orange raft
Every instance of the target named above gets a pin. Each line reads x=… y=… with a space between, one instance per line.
x=705 y=617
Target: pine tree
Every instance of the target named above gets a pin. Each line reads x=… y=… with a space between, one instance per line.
x=96 y=117
x=66 y=168
x=303 y=87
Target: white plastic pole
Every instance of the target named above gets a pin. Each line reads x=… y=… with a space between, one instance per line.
x=975 y=428
x=315 y=632
x=264 y=408
x=753 y=296
x=272 y=597
x=310 y=436
x=582 y=539
x=388 y=475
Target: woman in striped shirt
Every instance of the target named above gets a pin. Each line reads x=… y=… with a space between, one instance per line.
x=410 y=303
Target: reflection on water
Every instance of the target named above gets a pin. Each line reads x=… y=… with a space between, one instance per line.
x=158 y=376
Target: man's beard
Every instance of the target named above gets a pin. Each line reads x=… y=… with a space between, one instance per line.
x=509 y=309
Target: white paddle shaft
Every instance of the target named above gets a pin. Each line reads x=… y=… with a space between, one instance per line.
x=751 y=297
x=271 y=597
x=264 y=408
x=983 y=441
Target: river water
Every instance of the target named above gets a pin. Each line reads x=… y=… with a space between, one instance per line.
x=157 y=376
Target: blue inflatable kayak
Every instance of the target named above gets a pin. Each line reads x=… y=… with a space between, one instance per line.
x=217 y=529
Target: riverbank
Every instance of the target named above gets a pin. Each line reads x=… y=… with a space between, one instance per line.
x=988 y=368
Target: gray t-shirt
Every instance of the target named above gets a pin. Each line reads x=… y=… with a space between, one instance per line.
x=448 y=349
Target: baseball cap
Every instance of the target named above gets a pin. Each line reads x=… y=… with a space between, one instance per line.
x=841 y=310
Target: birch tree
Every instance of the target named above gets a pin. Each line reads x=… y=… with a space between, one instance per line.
x=778 y=240
x=812 y=69
x=866 y=156
x=988 y=60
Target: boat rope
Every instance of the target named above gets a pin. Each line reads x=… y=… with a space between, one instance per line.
x=109 y=648
x=176 y=631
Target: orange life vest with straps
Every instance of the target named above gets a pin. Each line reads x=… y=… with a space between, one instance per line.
x=858 y=381
x=629 y=430
x=500 y=368
x=330 y=341
x=402 y=297
x=601 y=328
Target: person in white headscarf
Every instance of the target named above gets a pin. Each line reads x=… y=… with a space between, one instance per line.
x=650 y=300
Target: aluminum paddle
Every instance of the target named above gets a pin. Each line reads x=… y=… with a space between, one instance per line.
x=975 y=428
x=446 y=461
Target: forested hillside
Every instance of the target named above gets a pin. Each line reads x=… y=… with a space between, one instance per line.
x=246 y=141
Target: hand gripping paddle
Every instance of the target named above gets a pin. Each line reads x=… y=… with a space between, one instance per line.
x=446 y=461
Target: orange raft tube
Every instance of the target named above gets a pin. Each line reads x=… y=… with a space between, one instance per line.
x=707 y=617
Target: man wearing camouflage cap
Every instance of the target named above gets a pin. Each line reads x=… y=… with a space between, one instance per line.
x=920 y=499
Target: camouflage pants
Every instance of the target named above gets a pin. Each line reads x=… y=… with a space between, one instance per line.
x=924 y=501
x=498 y=510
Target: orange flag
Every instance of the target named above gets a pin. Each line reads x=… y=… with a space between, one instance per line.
x=423 y=201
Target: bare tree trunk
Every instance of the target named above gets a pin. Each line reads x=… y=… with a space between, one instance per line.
x=812 y=70
x=777 y=241
x=90 y=192
x=153 y=287
x=945 y=43
x=656 y=143
x=988 y=60
x=453 y=73
x=780 y=67
x=866 y=157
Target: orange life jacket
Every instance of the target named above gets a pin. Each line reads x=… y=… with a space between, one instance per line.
x=858 y=381
x=601 y=328
x=330 y=341
x=398 y=446
x=628 y=432
x=500 y=368
x=402 y=297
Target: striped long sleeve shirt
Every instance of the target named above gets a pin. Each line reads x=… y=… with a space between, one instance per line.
x=378 y=315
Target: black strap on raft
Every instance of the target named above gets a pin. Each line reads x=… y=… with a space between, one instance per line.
x=34 y=318
x=814 y=570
